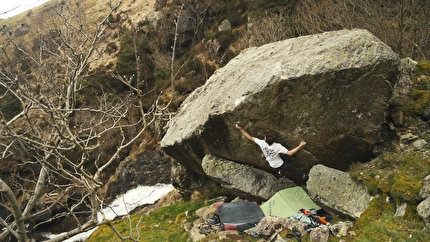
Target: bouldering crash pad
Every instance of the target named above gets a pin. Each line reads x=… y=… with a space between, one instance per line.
x=239 y=215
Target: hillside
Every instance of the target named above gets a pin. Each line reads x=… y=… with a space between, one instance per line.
x=85 y=85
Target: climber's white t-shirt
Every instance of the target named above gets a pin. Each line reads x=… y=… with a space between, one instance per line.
x=271 y=152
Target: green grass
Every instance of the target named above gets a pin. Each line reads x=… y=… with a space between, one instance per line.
x=393 y=179
x=398 y=175
x=163 y=224
x=378 y=223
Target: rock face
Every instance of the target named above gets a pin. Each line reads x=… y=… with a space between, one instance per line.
x=331 y=90
x=146 y=169
x=247 y=182
x=337 y=191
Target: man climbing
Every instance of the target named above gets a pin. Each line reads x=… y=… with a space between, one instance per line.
x=271 y=151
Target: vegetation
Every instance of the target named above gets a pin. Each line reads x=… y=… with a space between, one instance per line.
x=163 y=224
x=142 y=54
x=419 y=97
x=396 y=175
x=378 y=223
x=393 y=179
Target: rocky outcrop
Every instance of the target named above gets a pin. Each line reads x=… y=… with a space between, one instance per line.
x=243 y=180
x=337 y=191
x=147 y=168
x=186 y=179
x=331 y=90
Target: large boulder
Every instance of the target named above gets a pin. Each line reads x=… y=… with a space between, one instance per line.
x=336 y=191
x=331 y=90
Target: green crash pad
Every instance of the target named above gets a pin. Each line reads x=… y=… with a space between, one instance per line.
x=288 y=202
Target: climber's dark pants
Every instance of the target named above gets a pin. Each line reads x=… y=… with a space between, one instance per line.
x=290 y=168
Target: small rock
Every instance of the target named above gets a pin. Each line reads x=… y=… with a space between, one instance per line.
x=276 y=238
x=195 y=235
x=423 y=209
x=224 y=26
x=320 y=234
x=352 y=234
x=229 y=235
x=270 y=225
x=398 y=118
x=418 y=144
x=400 y=212
x=198 y=221
x=408 y=137
x=341 y=229
x=425 y=189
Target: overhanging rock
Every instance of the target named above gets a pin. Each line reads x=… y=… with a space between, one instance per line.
x=331 y=90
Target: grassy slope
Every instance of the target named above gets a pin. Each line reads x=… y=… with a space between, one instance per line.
x=164 y=224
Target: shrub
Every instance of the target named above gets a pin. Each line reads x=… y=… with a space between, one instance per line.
x=161 y=73
x=111 y=47
x=262 y=7
x=234 y=11
x=225 y=38
x=423 y=68
x=126 y=63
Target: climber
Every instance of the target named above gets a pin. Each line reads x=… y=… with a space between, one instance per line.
x=271 y=151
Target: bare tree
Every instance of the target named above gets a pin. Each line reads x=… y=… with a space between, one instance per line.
x=69 y=139
x=403 y=25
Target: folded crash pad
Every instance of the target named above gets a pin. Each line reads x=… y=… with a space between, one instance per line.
x=239 y=215
x=288 y=202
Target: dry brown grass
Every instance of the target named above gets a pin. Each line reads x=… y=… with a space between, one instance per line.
x=39 y=18
x=137 y=10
